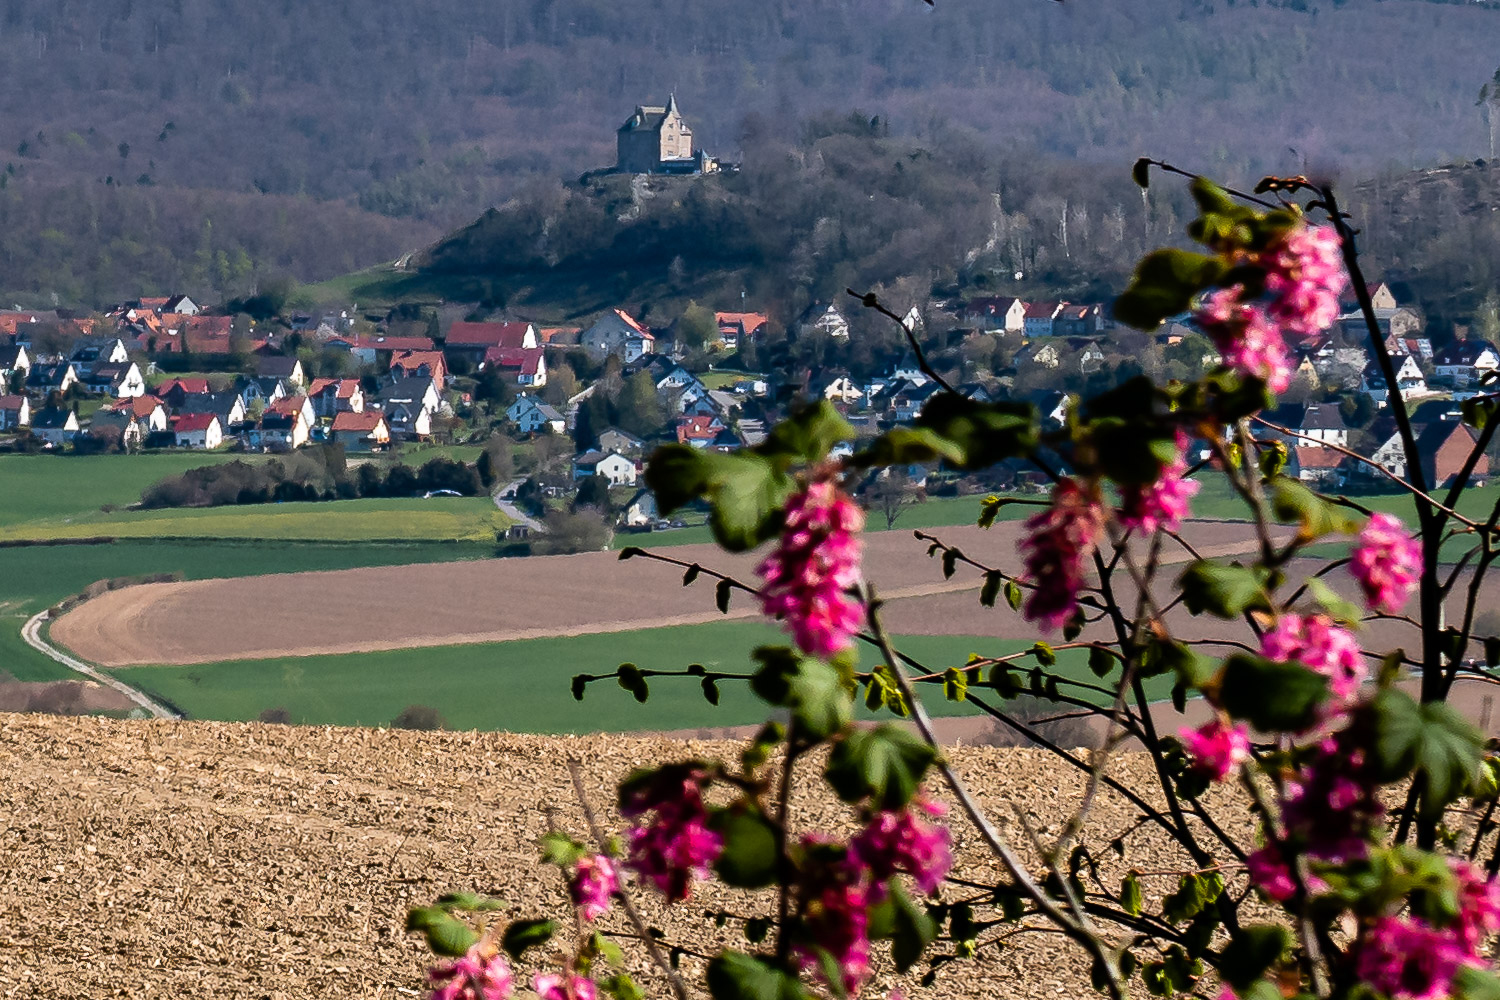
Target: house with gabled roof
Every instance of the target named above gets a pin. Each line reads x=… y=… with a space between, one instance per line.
x=289 y=369
x=15 y=412
x=1315 y=464
x=823 y=318
x=13 y=358
x=658 y=140
x=419 y=364
x=618 y=469
x=227 y=406
x=331 y=396
x=618 y=333
x=175 y=390
x=995 y=313
x=98 y=350
x=59 y=377
x=736 y=328
x=409 y=405
x=113 y=379
x=1410 y=381
x=470 y=340
x=361 y=431
x=146 y=409
x=527 y=366
x=531 y=415
x=198 y=430
x=1464 y=363
x=699 y=430
x=262 y=389
x=1040 y=318
x=116 y=427
x=55 y=425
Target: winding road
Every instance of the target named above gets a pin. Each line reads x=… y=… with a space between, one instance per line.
x=32 y=633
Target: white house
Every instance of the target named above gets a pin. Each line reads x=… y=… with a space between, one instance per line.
x=619 y=470
x=1463 y=363
x=530 y=415
x=15 y=411
x=826 y=320
x=996 y=314
x=13 y=359
x=842 y=389
x=1410 y=381
x=114 y=379
x=1040 y=317
x=640 y=510
x=54 y=426
x=99 y=350
x=1323 y=423
x=618 y=333
x=198 y=430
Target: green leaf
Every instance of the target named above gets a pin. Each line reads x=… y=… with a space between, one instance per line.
x=445 y=933
x=469 y=901
x=1225 y=591
x=985 y=433
x=1292 y=502
x=710 y=690
x=1476 y=984
x=886 y=763
x=749 y=858
x=808 y=434
x=1272 y=697
x=1492 y=651
x=757 y=929
x=908 y=446
x=523 y=934
x=1251 y=951
x=721 y=596
x=622 y=987
x=1101 y=661
x=580 y=683
x=813 y=690
x=1338 y=609
x=914 y=929
x=677 y=475
x=955 y=684
x=950 y=562
x=1479 y=411
x=1431 y=739
x=1013 y=595
x=991 y=589
x=1005 y=681
x=631 y=551
x=1131 y=900
x=691 y=574
x=734 y=975
x=1165 y=284
x=747 y=493
x=560 y=849
x=1044 y=654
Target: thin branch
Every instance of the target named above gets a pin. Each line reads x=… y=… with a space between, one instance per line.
x=870 y=301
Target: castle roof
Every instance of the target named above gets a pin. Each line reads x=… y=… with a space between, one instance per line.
x=648 y=118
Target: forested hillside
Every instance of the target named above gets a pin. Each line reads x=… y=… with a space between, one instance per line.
x=428 y=112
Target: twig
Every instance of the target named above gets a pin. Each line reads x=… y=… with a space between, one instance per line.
x=869 y=300
x=597 y=832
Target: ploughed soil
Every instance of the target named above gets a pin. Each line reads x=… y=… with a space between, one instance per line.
x=397 y=607
x=214 y=860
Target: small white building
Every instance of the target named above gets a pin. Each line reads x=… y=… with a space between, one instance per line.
x=55 y=426
x=619 y=470
x=531 y=415
x=620 y=334
x=198 y=430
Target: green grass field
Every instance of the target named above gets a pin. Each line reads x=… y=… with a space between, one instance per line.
x=34 y=578
x=56 y=487
x=524 y=686
x=470 y=519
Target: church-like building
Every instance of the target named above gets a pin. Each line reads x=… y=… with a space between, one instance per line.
x=660 y=141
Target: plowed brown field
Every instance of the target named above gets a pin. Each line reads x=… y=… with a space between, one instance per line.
x=217 y=861
x=397 y=607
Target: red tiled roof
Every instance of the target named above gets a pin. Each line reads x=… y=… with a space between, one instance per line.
x=11 y=402
x=288 y=405
x=191 y=386
x=137 y=406
x=634 y=324
x=1319 y=458
x=1042 y=310
x=527 y=361
x=747 y=322
x=343 y=388
x=698 y=427
x=383 y=343
x=193 y=422
x=465 y=334
x=362 y=423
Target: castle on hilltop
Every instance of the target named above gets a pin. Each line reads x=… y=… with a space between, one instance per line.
x=659 y=141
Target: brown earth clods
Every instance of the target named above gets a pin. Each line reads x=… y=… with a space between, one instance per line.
x=398 y=607
x=212 y=860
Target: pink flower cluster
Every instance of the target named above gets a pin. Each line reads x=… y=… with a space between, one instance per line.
x=1314 y=640
x=481 y=974
x=592 y=885
x=1247 y=338
x=677 y=846
x=552 y=987
x=1410 y=958
x=902 y=842
x=840 y=893
x=1216 y=748
x=1387 y=562
x=1164 y=503
x=1304 y=275
x=808 y=577
x=1060 y=541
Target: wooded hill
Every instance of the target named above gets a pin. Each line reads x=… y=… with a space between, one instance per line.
x=431 y=112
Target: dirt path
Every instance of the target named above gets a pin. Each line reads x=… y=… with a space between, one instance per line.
x=32 y=633
x=398 y=607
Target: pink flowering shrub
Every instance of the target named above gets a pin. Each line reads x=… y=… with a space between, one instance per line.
x=807 y=580
x=1387 y=563
x=1349 y=853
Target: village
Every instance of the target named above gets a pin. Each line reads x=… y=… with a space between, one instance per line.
x=166 y=373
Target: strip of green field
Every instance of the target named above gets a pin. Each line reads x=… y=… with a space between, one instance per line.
x=35 y=578
x=57 y=487
x=523 y=686
x=470 y=519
